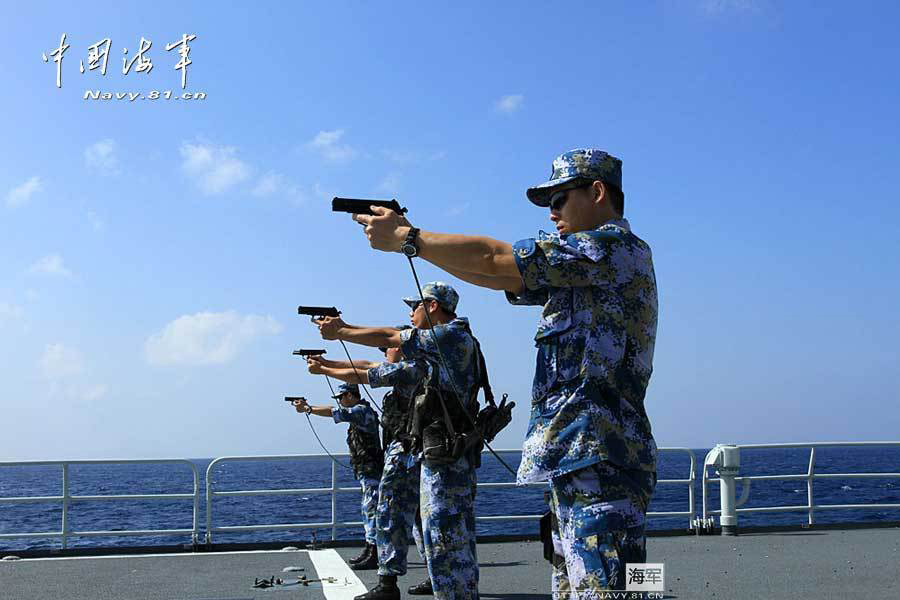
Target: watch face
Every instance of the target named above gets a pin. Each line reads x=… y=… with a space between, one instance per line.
x=409 y=250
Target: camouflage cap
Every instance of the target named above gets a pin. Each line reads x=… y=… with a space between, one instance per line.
x=582 y=163
x=438 y=291
x=344 y=388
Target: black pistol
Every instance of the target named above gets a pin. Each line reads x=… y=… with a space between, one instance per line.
x=318 y=311
x=293 y=398
x=361 y=206
x=307 y=352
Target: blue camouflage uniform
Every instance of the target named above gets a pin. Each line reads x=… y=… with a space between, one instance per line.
x=589 y=433
x=447 y=492
x=364 y=418
x=398 y=492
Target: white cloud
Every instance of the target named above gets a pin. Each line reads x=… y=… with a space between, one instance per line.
x=214 y=169
x=206 y=338
x=22 y=194
x=60 y=362
x=390 y=184
x=10 y=312
x=93 y=392
x=322 y=193
x=275 y=183
x=96 y=222
x=509 y=104
x=101 y=156
x=327 y=145
x=457 y=210
x=64 y=369
x=52 y=264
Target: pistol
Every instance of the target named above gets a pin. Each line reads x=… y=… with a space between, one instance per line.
x=318 y=311
x=306 y=352
x=293 y=398
x=360 y=206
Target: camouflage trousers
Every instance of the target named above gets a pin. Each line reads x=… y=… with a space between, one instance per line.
x=448 y=529
x=600 y=511
x=369 y=487
x=398 y=504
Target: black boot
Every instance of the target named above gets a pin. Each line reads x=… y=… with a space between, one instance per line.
x=385 y=590
x=367 y=549
x=369 y=561
x=421 y=589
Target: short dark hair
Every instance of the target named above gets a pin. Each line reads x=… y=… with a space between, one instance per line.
x=616 y=198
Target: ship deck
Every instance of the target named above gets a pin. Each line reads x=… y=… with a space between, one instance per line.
x=772 y=565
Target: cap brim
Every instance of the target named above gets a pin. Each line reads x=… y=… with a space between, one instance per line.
x=382 y=349
x=411 y=302
x=337 y=396
x=540 y=194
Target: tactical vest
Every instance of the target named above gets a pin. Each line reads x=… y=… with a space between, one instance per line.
x=366 y=455
x=441 y=425
x=395 y=416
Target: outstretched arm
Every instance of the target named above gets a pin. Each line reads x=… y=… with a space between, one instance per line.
x=345 y=374
x=319 y=411
x=490 y=261
x=346 y=364
x=334 y=328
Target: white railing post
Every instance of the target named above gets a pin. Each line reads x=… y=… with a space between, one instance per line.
x=810 y=474
x=65 y=504
x=726 y=459
x=334 y=493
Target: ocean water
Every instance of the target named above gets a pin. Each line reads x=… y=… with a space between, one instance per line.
x=21 y=481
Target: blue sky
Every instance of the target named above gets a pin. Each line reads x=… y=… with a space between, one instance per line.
x=153 y=253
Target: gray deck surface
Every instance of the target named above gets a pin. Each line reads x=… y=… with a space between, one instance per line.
x=861 y=563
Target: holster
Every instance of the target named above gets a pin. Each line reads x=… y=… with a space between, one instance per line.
x=547 y=525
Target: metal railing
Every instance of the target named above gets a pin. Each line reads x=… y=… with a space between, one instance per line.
x=67 y=499
x=334 y=490
x=728 y=478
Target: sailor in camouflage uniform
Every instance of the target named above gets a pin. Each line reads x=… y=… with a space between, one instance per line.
x=447 y=491
x=589 y=433
x=398 y=495
x=366 y=457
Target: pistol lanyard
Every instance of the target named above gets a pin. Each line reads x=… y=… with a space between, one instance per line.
x=450 y=373
x=313 y=427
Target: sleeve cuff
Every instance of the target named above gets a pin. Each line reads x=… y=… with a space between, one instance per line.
x=374 y=375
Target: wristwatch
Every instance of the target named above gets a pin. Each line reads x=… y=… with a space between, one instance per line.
x=409 y=247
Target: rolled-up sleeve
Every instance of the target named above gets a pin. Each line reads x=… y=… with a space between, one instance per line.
x=578 y=260
x=405 y=372
x=360 y=415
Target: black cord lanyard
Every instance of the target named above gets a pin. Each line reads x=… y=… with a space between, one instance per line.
x=318 y=439
x=450 y=373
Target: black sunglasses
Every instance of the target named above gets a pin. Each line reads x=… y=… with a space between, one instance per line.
x=559 y=198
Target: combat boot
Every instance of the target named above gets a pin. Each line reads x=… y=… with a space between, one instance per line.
x=385 y=590
x=421 y=589
x=369 y=561
x=367 y=549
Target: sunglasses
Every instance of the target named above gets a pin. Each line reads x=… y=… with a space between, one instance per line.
x=559 y=198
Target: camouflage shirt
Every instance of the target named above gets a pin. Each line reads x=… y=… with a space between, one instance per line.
x=405 y=376
x=595 y=343
x=360 y=415
x=458 y=347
